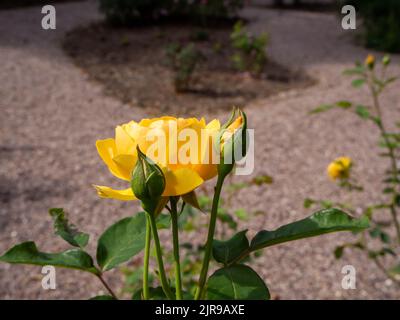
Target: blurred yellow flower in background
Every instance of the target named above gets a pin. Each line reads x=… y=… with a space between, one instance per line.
x=370 y=61
x=339 y=168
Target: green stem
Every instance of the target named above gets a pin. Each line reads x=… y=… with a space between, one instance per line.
x=396 y=221
x=146 y=292
x=210 y=238
x=381 y=126
x=163 y=277
x=174 y=218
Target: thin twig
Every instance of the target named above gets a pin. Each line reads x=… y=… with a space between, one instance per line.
x=106 y=286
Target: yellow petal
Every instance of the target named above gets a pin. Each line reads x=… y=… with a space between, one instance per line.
x=333 y=170
x=214 y=125
x=107 y=192
x=107 y=151
x=205 y=171
x=206 y=166
x=181 y=181
x=344 y=161
x=202 y=122
x=125 y=163
x=123 y=141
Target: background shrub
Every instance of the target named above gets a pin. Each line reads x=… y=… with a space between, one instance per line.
x=213 y=9
x=381 y=21
x=249 y=50
x=125 y=12
x=182 y=60
x=9 y=4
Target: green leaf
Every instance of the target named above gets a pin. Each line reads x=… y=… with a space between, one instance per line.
x=388 y=190
x=237 y=186
x=163 y=221
x=121 y=241
x=395 y=270
x=397 y=200
x=326 y=204
x=227 y=218
x=103 y=297
x=378 y=233
x=27 y=253
x=380 y=253
x=391 y=180
x=236 y=282
x=308 y=203
x=66 y=230
x=241 y=214
x=389 y=144
x=390 y=80
x=344 y=104
x=357 y=70
x=357 y=83
x=321 y=108
x=374 y=233
x=339 y=252
x=262 y=179
x=321 y=222
x=362 y=112
x=385 y=238
x=227 y=251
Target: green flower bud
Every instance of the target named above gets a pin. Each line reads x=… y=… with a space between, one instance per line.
x=233 y=142
x=148 y=182
x=386 y=60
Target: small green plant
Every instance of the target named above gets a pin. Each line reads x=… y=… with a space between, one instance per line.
x=183 y=61
x=377 y=242
x=250 y=51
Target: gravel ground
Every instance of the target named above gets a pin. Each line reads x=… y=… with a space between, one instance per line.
x=52 y=115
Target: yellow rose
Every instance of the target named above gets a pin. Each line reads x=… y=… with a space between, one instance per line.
x=370 y=61
x=339 y=168
x=183 y=149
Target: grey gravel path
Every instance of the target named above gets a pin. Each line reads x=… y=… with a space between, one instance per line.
x=51 y=116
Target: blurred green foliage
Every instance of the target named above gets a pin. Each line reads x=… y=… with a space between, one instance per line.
x=183 y=61
x=381 y=19
x=126 y=12
x=250 y=52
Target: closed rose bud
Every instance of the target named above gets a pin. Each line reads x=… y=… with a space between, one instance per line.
x=386 y=60
x=370 y=61
x=148 y=181
x=233 y=142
